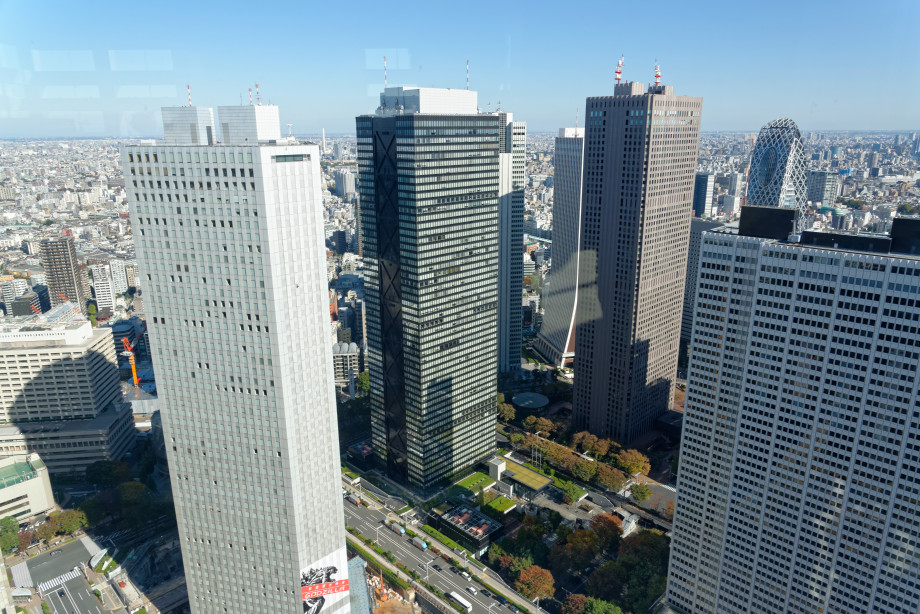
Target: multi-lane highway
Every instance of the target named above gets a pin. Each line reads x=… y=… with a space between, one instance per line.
x=367 y=522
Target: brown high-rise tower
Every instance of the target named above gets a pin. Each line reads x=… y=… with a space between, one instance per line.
x=640 y=157
x=62 y=271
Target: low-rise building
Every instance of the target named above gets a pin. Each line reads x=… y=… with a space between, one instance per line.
x=25 y=489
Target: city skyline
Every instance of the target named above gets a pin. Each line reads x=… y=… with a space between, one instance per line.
x=85 y=79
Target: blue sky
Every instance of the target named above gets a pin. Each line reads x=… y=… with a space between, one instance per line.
x=105 y=68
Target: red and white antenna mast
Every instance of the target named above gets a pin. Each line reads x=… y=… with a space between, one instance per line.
x=189 y=88
x=258 y=96
x=657 y=73
x=619 y=70
x=467 y=74
x=384 y=72
x=250 y=97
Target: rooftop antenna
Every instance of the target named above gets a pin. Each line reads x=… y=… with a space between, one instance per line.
x=657 y=73
x=619 y=70
x=189 y=88
x=499 y=107
x=290 y=130
x=250 y=97
x=384 y=72
x=467 y=74
x=258 y=96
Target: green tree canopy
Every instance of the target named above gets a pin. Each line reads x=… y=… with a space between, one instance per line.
x=363 y=382
x=641 y=492
x=633 y=462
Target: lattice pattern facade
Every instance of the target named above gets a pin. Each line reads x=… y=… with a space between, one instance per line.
x=778 y=169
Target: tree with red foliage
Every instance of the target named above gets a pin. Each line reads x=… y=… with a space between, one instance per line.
x=535 y=583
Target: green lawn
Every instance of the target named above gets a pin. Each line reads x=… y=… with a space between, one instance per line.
x=474 y=481
x=501 y=503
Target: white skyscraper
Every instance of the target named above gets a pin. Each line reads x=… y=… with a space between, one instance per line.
x=512 y=169
x=103 y=287
x=229 y=241
x=800 y=453
x=556 y=339
x=119 y=276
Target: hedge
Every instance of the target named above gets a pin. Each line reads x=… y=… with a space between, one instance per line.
x=389 y=575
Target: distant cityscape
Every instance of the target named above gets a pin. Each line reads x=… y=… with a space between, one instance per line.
x=448 y=363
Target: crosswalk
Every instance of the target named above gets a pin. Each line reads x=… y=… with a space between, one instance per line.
x=44 y=587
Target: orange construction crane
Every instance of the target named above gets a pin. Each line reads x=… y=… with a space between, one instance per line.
x=36 y=310
x=130 y=354
x=382 y=589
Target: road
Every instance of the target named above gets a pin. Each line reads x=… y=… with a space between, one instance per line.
x=74 y=596
x=367 y=520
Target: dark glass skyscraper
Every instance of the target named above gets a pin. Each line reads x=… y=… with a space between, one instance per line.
x=428 y=165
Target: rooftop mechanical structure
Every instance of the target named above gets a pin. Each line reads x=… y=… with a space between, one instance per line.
x=778 y=176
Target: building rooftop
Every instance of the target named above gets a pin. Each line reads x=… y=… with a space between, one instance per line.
x=471 y=522
x=16 y=472
x=528 y=477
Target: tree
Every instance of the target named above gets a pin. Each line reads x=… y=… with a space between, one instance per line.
x=506 y=412
x=69 y=521
x=574 y=604
x=363 y=382
x=608 y=529
x=588 y=443
x=535 y=583
x=9 y=524
x=108 y=473
x=641 y=492
x=516 y=439
x=46 y=532
x=545 y=426
x=520 y=563
x=133 y=494
x=599 y=606
x=500 y=398
x=584 y=470
x=577 y=438
x=669 y=510
x=633 y=462
x=480 y=497
x=91 y=311
x=601 y=448
x=530 y=423
x=8 y=541
x=582 y=546
x=25 y=537
x=93 y=509
x=610 y=478
x=570 y=492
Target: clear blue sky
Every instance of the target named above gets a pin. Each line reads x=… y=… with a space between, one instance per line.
x=105 y=68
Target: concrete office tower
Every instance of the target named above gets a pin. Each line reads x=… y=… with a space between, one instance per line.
x=799 y=453
x=703 y=188
x=512 y=167
x=59 y=391
x=778 y=169
x=63 y=273
x=344 y=182
x=822 y=187
x=736 y=185
x=231 y=253
x=640 y=155
x=188 y=125
x=697 y=227
x=556 y=339
x=103 y=286
x=119 y=276
x=430 y=241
